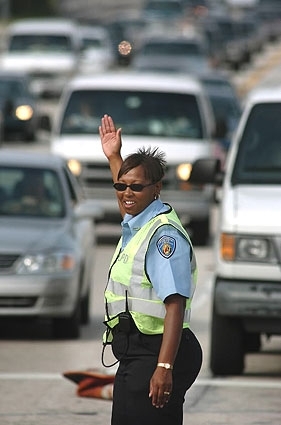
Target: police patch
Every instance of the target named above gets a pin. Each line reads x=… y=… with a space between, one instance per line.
x=166 y=246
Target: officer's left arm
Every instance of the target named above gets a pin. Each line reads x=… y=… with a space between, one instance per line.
x=162 y=380
x=168 y=267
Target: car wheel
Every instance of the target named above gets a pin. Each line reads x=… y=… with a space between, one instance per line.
x=227 y=346
x=200 y=231
x=29 y=137
x=85 y=309
x=68 y=327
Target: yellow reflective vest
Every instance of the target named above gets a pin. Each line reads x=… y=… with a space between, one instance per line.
x=127 y=275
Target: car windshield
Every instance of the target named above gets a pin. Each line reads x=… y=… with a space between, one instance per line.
x=30 y=192
x=172 y=48
x=259 y=156
x=40 y=43
x=154 y=114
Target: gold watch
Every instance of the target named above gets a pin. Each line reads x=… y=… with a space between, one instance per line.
x=165 y=365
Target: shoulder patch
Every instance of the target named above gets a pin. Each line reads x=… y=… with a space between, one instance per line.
x=166 y=245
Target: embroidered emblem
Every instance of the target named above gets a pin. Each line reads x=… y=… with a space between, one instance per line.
x=166 y=246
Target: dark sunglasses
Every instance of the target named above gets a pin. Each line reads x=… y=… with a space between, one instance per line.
x=135 y=187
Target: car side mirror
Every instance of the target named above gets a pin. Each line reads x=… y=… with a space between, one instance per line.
x=207 y=170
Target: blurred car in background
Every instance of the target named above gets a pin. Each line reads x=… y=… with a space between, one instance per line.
x=96 y=49
x=226 y=105
x=152 y=110
x=165 y=10
x=46 y=49
x=47 y=242
x=172 y=52
x=18 y=107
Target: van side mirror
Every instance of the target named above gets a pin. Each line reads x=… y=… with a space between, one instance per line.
x=207 y=170
x=45 y=123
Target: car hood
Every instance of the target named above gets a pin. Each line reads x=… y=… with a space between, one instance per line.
x=252 y=209
x=37 y=62
x=22 y=236
x=88 y=147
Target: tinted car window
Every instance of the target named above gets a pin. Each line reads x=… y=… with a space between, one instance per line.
x=30 y=192
x=35 y=43
x=137 y=113
x=172 y=48
x=259 y=156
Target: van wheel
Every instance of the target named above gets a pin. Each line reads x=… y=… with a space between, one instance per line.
x=252 y=342
x=68 y=327
x=227 y=346
x=200 y=231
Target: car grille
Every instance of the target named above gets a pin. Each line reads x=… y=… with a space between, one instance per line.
x=24 y=302
x=96 y=174
x=7 y=261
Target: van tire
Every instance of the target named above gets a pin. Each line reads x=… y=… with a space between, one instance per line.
x=200 y=231
x=227 y=346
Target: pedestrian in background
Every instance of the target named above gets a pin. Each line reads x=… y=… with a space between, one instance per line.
x=148 y=296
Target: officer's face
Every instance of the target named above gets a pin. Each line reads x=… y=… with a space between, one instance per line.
x=134 y=202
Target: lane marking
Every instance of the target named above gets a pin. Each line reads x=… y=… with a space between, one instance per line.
x=216 y=382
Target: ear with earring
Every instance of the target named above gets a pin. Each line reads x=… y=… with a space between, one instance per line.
x=156 y=196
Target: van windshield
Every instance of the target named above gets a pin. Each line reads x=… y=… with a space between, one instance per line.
x=40 y=43
x=259 y=154
x=154 y=114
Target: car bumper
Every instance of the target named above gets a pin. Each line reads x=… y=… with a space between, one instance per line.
x=41 y=296
x=248 y=299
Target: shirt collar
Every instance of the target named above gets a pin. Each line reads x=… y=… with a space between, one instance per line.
x=136 y=222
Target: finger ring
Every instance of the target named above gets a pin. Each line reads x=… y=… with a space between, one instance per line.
x=166 y=393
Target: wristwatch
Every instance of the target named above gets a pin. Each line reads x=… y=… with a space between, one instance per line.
x=165 y=365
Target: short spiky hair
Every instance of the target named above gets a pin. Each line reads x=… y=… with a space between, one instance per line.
x=152 y=160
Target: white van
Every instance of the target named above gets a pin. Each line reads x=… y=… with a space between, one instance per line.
x=47 y=49
x=247 y=278
x=171 y=113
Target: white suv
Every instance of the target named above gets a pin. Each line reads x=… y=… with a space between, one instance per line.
x=171 y=113
x=247 y=278
x=46 y=49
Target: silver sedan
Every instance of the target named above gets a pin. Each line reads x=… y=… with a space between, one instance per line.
x=47 y=242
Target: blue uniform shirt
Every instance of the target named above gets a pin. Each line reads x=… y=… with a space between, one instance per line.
x=168 y=274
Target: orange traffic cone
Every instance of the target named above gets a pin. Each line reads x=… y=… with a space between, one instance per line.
x=92 y=383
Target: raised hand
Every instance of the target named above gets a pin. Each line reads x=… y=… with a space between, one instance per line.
x=110 y=137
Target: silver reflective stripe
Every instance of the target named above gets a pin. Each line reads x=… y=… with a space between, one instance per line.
x=137 y=269
x=139 y=291
x=156 y=310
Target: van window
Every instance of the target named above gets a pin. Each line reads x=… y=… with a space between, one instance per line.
x=40 y=43
x=259 y=154
x=154 y=114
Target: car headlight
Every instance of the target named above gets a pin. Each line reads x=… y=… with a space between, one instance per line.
x=183 y=171
x=247 y=249
x=75 y=166
x=46 y=263
x=24 y=112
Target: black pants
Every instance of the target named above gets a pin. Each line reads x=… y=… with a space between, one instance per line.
x=131 y=404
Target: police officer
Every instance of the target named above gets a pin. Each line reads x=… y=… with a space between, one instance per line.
x=148 y=296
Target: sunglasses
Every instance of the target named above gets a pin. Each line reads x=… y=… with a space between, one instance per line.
x=135 y=187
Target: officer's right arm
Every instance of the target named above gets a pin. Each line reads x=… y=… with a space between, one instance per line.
x=111 y=144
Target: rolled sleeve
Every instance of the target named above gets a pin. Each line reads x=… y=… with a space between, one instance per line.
x=169 y=273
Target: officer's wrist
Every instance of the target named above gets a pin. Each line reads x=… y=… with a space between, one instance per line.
x=167 y=366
